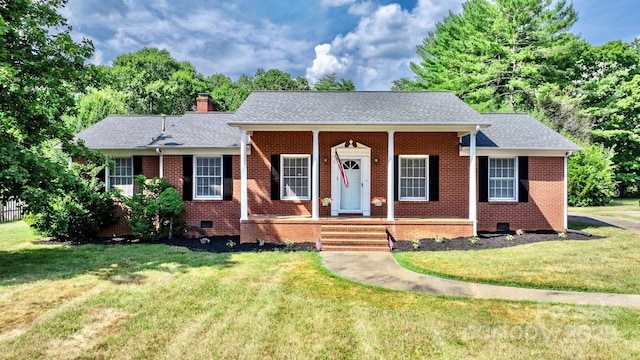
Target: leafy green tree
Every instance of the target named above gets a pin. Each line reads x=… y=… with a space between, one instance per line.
x=94 y=106
x=155 y=83
x=41 y=68
x=330 y=83
x=495 y=54
x=591 y=177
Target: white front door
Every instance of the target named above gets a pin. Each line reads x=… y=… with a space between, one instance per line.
x=351 y=196
x=356 y=163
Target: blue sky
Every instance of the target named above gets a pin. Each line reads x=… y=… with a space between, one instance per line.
x=368 y=41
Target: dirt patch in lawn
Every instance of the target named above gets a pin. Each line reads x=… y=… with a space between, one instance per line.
x=228 y=244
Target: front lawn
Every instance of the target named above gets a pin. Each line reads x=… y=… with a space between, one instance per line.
x=165 y=302
x=609 y=264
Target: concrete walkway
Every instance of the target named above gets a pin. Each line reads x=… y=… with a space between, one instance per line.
x=381 y=269
x=606 y=221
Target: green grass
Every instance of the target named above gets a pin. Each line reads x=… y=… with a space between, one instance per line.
x=602 y=265
x=620 y=208
x=161 y=302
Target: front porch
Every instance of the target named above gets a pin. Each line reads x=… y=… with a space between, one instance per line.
x=297 y=228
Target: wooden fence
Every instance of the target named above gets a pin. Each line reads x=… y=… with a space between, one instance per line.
x=11 y=211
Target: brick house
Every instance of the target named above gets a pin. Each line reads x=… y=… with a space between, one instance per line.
x=442 y=168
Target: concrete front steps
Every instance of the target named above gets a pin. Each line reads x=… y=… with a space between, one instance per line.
x=337 y=237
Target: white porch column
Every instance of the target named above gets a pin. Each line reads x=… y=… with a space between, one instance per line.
x=473 y=210
x=315 y=200
x=161 y=173
x=244 y=208
x=566 y=191
x=390 y=183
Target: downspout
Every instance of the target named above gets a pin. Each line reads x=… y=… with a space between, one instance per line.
x=161 y=163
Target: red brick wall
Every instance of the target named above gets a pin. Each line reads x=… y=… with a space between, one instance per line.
x=454 y=173
x=225 y=215
x=545 y=209
x=453 y=170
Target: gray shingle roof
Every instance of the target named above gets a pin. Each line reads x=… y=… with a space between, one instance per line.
x=192 y=130
x=352 y=108
x=519 y=132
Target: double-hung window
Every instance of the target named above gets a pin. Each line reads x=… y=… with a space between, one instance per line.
x=413 y=177
x=121 y=175
x=208 y=177
x=502 y=179
x=295 y=178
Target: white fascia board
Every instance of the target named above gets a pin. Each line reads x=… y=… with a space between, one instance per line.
x=459 y=128
x=515 y=152
x=174 y=151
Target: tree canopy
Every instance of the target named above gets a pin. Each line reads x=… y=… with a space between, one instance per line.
x=518 y=55
x=41 y=69
x=495 y=53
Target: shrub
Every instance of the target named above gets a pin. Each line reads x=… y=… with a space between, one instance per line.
x=76 y=209
x=416 y=244
x=153 y=209
x=591 y=177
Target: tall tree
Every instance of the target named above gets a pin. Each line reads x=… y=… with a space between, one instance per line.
x=495 y=53
x=329 y=82
x=94 y=106
x=41 y=68
x=155 y=83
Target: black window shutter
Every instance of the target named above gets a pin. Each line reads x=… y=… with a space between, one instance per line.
x=102 y=176
x=275 y=176
x=137 y=170
x=483 y=178
x=523 y=179
x=137 y=165
x=396 y=177
x=434 y=178
x=187 y=177
x=227 y=177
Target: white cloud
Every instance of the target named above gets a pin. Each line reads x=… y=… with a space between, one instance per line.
x=213 y=39
x=325 y=63
x=362 y=8
x=382 y=45
x=336 y=3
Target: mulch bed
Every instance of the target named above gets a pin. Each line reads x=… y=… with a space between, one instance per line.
x=220 y=244
x=490 y=241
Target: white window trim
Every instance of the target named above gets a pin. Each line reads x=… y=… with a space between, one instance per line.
x=515 y=179
x=195 y=178
x=426 y=185
x=107 y=177
x=282 y=189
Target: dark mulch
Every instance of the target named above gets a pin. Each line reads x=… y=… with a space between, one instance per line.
x=221 y=244
x=215 y=244
x=490 y=241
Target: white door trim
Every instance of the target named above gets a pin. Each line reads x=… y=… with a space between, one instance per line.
x=358 y=152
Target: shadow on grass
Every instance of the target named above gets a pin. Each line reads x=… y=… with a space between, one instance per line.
x=582 y=222
x=118 y=264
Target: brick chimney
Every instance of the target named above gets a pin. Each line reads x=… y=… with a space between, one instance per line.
x=204 y=103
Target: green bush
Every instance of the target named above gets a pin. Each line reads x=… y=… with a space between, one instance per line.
x=153 y=209
x=75 y=209
x=591 y=177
